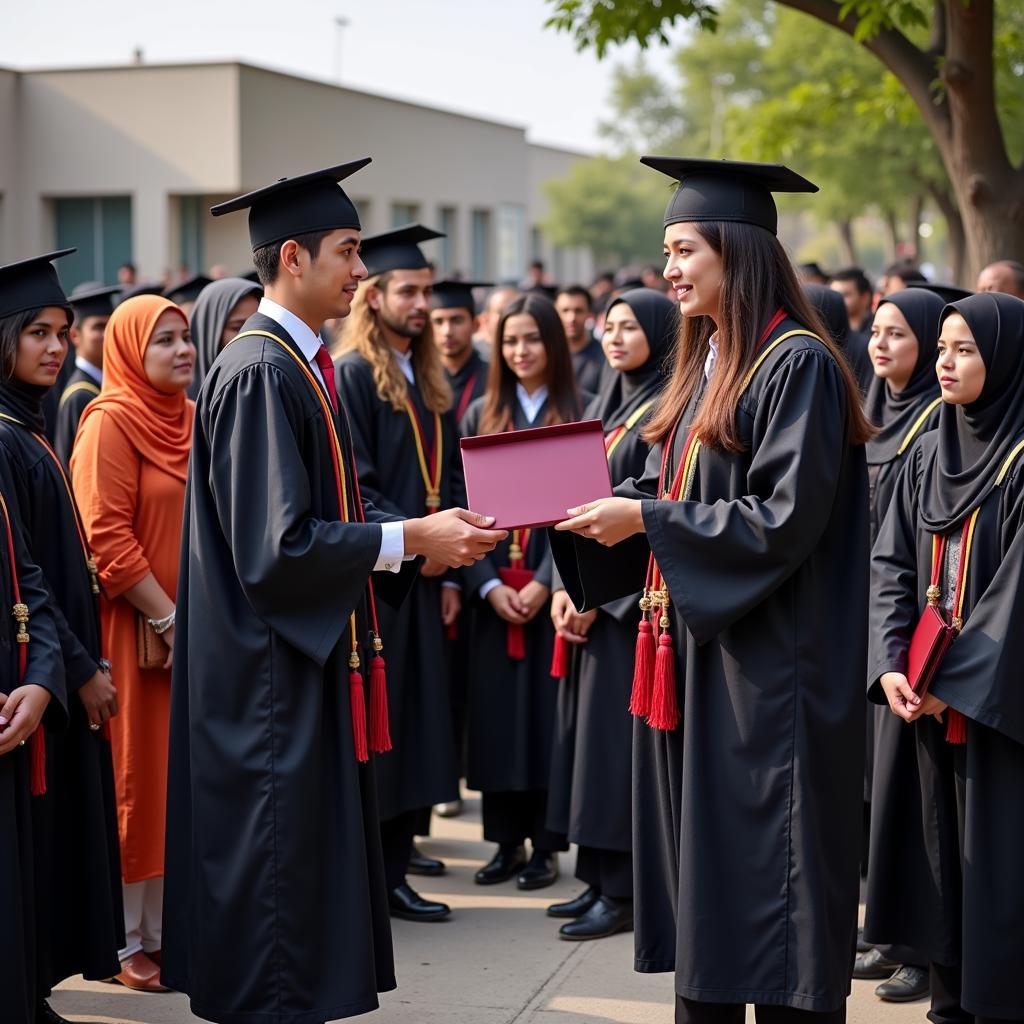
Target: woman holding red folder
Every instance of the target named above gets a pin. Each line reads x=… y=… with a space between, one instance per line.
x=951 y=550
x=511 y=713
x=750 y=649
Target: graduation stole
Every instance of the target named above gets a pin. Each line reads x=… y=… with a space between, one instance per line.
x=430 y=471
x=653 y=695
x=379 y=740
x=90 y=562
x=464 y=398
x=918 y=424
x=82 y=385
x=560 y=653
x=37 y=741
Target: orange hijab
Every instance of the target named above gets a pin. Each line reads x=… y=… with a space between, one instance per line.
x=159 y=424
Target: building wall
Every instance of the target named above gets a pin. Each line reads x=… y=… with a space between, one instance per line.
x=8 y=165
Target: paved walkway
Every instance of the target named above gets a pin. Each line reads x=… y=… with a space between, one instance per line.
x=497 y=961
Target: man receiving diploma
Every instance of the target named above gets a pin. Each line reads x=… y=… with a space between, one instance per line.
x=275 y=904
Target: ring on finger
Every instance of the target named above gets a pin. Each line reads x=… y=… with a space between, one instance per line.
x=94 y=727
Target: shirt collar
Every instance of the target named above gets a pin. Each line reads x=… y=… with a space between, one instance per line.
x=712 y=357
x=87 y=368
x=309 y=342
x=405 y=363
x=531 y=404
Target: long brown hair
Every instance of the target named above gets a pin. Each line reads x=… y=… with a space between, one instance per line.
x=757 y=279
x=361 y=333
x=563 y=397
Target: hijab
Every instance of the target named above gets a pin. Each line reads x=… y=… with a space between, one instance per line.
x=832 y=310
x=25 y=401
x=975 y=439
x=159 y=424
x=625 y=392
x=209 y=315
x=894 y=414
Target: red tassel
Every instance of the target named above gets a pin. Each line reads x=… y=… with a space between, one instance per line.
x=452 y=630
x=664 y=703
x=643 y=671
x=357 y=700
x=956 y=727
x=560 y=658
x=37 y=753
x=516 y=642
x=380 y=733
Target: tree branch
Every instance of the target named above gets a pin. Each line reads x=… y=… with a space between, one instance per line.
x=937 y=43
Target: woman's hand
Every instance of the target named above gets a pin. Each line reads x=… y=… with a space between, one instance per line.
x=933 y=706
x=903 y=702
x=570 y=624
x=20 y=715
x=451 y=604
x=608 y=520
x=431 y=567
x=505 y=601
x=168 y=638
x=532 y=598
x=99 y=697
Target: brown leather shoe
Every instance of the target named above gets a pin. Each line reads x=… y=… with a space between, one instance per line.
x=138 y=972
x=154 y=955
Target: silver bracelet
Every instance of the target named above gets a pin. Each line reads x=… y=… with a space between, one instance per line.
x=160 y=626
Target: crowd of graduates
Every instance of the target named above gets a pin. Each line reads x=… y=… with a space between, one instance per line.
x=252 y=639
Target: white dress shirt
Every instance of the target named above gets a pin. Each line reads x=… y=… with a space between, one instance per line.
x=87 y=368
x=709 y=363
x=405 y=364
x=392 y=535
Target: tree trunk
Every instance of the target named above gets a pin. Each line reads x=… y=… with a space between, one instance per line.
x=955 y=232
x=893 y=226
x=916 y=217
x=847 y=245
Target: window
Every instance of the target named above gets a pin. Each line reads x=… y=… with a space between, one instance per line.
x=447 y=223
x=192 y=211
x=101 y=229
x=481 y=245
x=511 y=242
x=404 y=213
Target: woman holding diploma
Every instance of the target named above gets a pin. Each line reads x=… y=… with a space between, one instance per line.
x=512 y=696
x=752 y=625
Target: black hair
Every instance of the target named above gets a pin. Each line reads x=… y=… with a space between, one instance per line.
x=905 y=271
x=267 y=258
x=10 y=333
x=857 y=276
x=577 y=290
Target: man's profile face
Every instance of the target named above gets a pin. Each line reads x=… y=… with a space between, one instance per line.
x=332 y=279
x=998 y=277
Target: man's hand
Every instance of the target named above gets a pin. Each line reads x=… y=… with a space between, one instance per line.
x=451 y=604
x=607 y=520
x=99 y=697
x=505 y=601
x=532 y=598
x=20 y=715
x=903 y=702
x=431 y=568
x=570 y=624
x=453 y=537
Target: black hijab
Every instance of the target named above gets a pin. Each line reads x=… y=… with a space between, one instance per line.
x=623 y=393
x=893 y=414
x=974 y=440
x=832 y=310
x=209 y=315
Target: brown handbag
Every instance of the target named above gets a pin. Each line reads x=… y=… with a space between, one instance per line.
x=151 y=647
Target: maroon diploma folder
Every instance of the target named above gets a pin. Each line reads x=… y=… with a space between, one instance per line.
x=527 y=478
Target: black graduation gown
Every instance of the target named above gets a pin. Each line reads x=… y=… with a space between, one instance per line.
x=955 y=891
x=468 y=384
x=751 y=812
x=511 y=714
x=421 y=769
x=19 y=967
x=79 y=391
x=275 y=907
x=588 y=364
x=78 y=863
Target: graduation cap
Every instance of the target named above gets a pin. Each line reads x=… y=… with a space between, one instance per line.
x=397 y=250
x=189 y=289
x=32 y=284
x=93 y=299
x=143 y=288
x=457 y=294
x=297 y=206
x=947 y=292
x=726 y=190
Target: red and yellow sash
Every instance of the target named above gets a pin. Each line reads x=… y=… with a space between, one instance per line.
x=430 y=470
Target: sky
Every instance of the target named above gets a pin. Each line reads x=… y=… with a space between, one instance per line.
x=491 y=58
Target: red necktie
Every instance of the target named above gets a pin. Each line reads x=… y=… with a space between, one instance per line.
x=323 y=360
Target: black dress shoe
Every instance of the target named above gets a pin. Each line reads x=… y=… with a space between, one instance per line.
x=541 y=872
x=577 y=907
x=908 y=984
x=421 y=864
x=862 y=945
x=502 y=866
x=407 y=903
x=46 y=1014
x=606 y=917
x=873 y=966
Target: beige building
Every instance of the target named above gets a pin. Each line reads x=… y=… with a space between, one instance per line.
x=124 y=162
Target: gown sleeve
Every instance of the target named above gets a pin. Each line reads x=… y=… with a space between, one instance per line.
x=895 y=607
x=724 y=558
x=302 y=575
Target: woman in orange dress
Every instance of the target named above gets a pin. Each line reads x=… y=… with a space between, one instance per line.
x=128 y=467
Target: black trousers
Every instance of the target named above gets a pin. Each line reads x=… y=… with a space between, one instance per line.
x=512 y=817
x=396 y=835
x=689 y=1011
x=946 y=990
x=608 y=871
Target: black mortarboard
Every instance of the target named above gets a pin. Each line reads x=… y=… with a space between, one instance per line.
x=31 y=284
x=93 y=299
x=457 y=294
x=727 y=190
x=297 y=206
x=947 y=292
x=397 y=250
x=189 y=289
x=142 y=288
